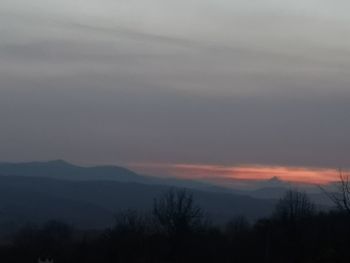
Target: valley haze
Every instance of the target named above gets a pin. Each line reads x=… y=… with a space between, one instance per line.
x=174 y=131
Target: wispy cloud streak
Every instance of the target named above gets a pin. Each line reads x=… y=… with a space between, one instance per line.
x=221 y=173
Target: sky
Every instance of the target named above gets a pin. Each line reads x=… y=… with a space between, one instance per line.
x=152 y=83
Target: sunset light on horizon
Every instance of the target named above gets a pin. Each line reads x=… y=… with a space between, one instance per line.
x=220 y=173
x=174 y=131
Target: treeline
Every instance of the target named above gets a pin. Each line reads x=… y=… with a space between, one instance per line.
x=177 y=230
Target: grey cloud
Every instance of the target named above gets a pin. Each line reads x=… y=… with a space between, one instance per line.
x=133 y=121
x=95 y=93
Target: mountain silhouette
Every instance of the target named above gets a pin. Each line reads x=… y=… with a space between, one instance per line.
x=93 y=203
x=61 y=169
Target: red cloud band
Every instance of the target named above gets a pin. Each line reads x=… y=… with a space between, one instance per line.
x=242 y=172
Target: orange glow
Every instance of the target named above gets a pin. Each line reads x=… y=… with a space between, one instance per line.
x=241 y=172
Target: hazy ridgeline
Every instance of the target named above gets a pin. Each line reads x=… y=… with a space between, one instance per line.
x=176 y=229
x=89 y=197
x=235 y=101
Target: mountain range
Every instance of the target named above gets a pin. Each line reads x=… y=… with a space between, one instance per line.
x=89 y=197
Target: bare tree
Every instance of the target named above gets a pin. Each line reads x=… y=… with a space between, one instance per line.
x=176 y=213
x=341 y=198
x=294 y=205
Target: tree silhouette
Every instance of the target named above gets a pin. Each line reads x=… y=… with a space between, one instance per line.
x=342 y=198
x=130 y=221
x=289 y=233
x=294 y=206
x=176 y=213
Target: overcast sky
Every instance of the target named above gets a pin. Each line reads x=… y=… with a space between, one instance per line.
x=220 y=82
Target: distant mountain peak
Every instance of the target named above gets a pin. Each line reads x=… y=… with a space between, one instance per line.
x=275 y=179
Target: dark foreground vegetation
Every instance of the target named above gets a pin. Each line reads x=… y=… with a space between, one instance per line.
x=177 y=230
